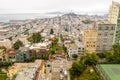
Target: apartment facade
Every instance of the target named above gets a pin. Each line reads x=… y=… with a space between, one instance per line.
x=117 y=31
x=89 y=38
x=114 y=12
x=114 y=18
x=105 y=37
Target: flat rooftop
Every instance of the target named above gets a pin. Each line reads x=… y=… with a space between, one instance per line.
x=110 y=71
x=29 y=72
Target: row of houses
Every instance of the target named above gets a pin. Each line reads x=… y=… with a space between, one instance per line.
x=25 y=53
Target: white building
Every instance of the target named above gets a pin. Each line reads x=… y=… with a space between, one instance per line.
x=72 y=49
x=6 y=42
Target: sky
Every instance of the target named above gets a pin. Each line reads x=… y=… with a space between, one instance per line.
x=43 y=6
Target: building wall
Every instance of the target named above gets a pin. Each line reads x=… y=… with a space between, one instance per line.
x=117 y=31
x=80 y=50
x=89 y=39
x=113 y=12
x=22 y=56
x=72 y=51
x=105 y=37
x=7 y=43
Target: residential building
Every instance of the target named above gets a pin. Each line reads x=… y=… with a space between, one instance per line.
x=114 y=18
x=7 y=43
x=10 y=55
x=39 y=49
x=72 y=49
x=81 y=47
x=114 y=12
x=27 y=71
x=22 y=56
x=89 y=38
x=117 y=32
x=105 y=36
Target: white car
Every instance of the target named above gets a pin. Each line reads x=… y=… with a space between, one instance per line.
x=61 y=77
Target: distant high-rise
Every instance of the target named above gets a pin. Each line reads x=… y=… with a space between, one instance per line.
x=114 y=18
x=114 y=12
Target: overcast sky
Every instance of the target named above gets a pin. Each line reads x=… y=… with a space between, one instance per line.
x=41 y=6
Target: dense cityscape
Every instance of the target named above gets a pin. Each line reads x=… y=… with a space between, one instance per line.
x=65 y=47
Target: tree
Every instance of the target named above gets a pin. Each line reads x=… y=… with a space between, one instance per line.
x=109 y=57
x=10 y=38
x=61 y=37
x=64 y=48
x=3 y=47
x=76 y=70
x=90 y=59
x=6 y=64
x=51 y=31
x=52 y=50
x=116 y=52
x=36 y=37
x=102 y=55
x=74 y=56
x=17 y=44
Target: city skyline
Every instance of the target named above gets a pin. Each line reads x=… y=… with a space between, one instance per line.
x=44 y=6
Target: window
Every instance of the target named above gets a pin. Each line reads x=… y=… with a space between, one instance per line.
x=104 y=46
x=105 y=40
x=98 y=46
x=99 y=34
x=106 y=28
x=100 y=28
x=79 y=48
x=111 y=33
x=112 y=28
x=105 y=34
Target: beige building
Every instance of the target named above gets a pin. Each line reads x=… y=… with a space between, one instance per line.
x=114 y=12
x=105 y=37
x=7 y=43
x=89 y=38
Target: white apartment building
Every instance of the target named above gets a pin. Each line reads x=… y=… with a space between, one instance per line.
x=72 y=49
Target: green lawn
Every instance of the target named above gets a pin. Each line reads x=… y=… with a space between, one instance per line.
x=86 y=75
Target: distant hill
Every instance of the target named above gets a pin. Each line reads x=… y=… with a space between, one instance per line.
x=55 y=13
x=70 y=14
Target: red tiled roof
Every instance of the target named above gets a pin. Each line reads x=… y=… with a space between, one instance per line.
x=39 y=68
x=11 y=52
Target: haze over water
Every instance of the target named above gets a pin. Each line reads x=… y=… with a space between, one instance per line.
x=24 y=16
